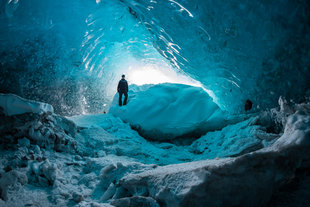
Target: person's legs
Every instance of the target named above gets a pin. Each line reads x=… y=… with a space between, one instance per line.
x=120 y=99
x=125 y=100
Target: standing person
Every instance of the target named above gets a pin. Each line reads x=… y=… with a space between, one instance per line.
x=248 y=105
x=122 y=88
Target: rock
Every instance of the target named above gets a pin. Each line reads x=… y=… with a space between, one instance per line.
x=9 y=180
x=101 y=153
x=43 y=173
x=37 y=149
x=77 y=197
x=77 y=157
x=43 y=129
x=24 y=142
x=135 y=202
x=109 y=192
x=39 y=159
x=49 y=170
x=106 y=170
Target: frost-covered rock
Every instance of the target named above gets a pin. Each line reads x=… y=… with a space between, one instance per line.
x=24 y=142
x=166 y=111
x=110 y=191
x=77 y=197
x=12 y=105
x=135 y=201
x=10 y=179
x=247 y=180
x=44 y=174
x=45 y=129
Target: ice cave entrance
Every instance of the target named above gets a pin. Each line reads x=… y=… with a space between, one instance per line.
x=165 y=105
x=190 y=66
x=153 y=74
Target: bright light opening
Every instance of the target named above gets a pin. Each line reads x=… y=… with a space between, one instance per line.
x=156 y=74
x=141 y=73
x=152 y=74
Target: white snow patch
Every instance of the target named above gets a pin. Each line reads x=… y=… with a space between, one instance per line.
x=13 y=105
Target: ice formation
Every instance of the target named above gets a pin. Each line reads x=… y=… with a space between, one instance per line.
x=166 y=111
x=248 y=180
x=73 y=59
x=184 y=138
x=99 y=160
x=14 y=105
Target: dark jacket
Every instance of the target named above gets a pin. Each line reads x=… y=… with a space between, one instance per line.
x=122 y=86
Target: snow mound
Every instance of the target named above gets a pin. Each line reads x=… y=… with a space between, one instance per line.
x=232 y=140
x=247 y=180
x=13 y=105
x=166 y=111
x=28 y=122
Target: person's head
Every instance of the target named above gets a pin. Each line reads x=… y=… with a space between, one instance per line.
x=123 y=76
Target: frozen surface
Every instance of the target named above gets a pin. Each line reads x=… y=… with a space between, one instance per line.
x=248 y=180
x=13 y=105
x=166 y=111
x=229 y=141
x=98 y=160
x=71 y=54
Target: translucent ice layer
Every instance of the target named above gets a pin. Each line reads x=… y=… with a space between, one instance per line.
x=71 y=53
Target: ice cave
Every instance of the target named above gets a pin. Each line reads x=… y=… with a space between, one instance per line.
x=217 y=115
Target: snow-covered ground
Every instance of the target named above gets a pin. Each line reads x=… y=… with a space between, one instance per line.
x=98 y=160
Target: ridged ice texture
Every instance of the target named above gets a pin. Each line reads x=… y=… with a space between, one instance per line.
x=238 y=49
x=70 y=53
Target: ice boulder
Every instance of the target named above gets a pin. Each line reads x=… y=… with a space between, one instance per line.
x=167 y=111
x=12 y=105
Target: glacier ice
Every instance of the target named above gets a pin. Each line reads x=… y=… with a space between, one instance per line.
x=238 y=50
x=167 y=111
x=65 y=142
x=13 y=105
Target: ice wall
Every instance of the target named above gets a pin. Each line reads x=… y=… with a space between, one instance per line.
x=71 y=53
x=238 y=49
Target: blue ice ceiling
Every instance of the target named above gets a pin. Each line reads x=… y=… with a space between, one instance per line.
x=71 y=53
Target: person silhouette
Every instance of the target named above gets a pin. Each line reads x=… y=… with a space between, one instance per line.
x=122 y=88
x=248 y=105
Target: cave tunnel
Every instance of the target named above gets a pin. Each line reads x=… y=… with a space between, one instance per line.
x=218 y=101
